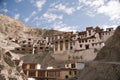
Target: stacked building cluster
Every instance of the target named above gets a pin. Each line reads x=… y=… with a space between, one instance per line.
x=67 y=41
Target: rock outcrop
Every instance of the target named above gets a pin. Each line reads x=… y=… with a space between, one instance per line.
x=8 y=69
x=106 y=66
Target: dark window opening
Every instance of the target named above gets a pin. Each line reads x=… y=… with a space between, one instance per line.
x=87 y=46
x=46 y=47
x=32 y=74
x=56 y=42
x=61 y=41
x=71 y=47
x=66 y=40
x=23 y=49
x=35 y=47
x=29 y=42
x=70 y=72
x=29 y=45
x=30 y=49
x=29 y=39
x=24 y=45
x=66 y=77
x=72 y=65
x=80 y=45
x=78 y=38
x=24 y=41
x=17 y=49
x=75 y=72
x=80 y=41
x=41 y=47
x=32 y=66
x=89 y=40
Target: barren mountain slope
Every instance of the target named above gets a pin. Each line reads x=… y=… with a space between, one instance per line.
x=14 y=28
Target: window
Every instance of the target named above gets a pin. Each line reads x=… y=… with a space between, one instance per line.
x=41 y=73
x=61 y=41
x=18 y=49
x=30 y=49
x=70 y=72
x=80 y=45
x=32 y=66
x=24 y=41
x=29 y=42
x=66 y=40
x=89 y=40
x=29 y=45
x=72 y=65
x=60 y=37
x=35 y=47
x=46 y=47
x=31 y=73
x=24 y=45
x=41 y=47
x=61 y=46
x=56 y=42
x=79 y=41
x=29 y=39
x=71 y=47
x=87 y=46
x=57 y=74
x=75 y=72
x=23 y=49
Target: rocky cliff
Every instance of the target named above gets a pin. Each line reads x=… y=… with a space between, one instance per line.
x=8 y=69
x=106 y=66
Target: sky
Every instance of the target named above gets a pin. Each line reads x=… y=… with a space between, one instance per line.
x=63 y=15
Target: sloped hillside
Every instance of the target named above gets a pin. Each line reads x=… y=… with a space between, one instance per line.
x=107 y=63
x=11 y=27
x=45 y=59
x=100 y=71
x=14 y=28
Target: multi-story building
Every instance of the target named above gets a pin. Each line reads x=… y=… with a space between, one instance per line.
x=91 y=38
x=32 y=70
x=33 y=46
x=66 y=42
